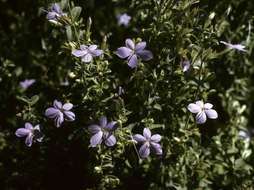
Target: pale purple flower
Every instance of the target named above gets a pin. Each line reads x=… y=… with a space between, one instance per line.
x=60 y=112
x=103 y=132
x=26 y=83
x=55 y=12
x=185 y=65
x=86 y=53
x=123 y=19
x=31 y=133
x=234 y=46
x=149 y=142
x=203 y=111
x=132 y=52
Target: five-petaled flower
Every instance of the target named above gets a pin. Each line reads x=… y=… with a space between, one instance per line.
x=123 y=19
x=26 y=83
x=60 y=112
x=203 y=111
x=103 y=132
x=148 y=142
x=31 y=133
x=87 y=52
x=132 y=52
x=239 y=47
x=55 y=12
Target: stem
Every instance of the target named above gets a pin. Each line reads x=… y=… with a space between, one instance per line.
x=73 y=24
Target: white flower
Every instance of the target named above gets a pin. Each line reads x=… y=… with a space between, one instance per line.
x=203 y=111
x=244 y=134
x=234 y=46
x=185 y=65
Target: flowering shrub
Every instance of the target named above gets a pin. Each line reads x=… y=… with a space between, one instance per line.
x=176 y=116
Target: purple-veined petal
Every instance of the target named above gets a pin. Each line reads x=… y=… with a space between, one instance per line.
x=29 y=140
x=129 y=44
x=103 y=121
x=211 y=113
x=21 y=132
x=70 y=116
x=110 y=141
x=144 y=150
x=111 y=125
x=123 y=52
x=157 y=148
x=201 y=117
x=96 y=52
x=56 y=8
x=200 y=103
x=147 y=133
x=194 y=108
x=84 y=47
x=208 y=106
x=28 y=126
x=92 y=47
x=59 y=119
x=96 y=139
x=140 y=46
x=67 y=106
x=145 y=55
x=87 y=58
x=51 y=15
x=79 y=53
x=133 y=61
x=52 y=112
x=156 y=138
x=57 y=104
x=139 y=138
x=94 y=129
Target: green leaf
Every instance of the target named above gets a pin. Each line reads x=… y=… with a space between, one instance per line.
x=69 y=33
x=75 y=12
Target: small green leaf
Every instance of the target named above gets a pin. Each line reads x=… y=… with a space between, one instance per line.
x=75 y=12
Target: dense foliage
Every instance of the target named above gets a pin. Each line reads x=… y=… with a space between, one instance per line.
x=154 y=95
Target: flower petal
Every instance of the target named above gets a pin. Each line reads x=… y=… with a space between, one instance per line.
x=147 y=133
x=103 y=121
x=96 y=139
x=133 y=61
x=129 y=44
x=56 y=8
x=59 y=119
x=156 y=138
x=140 y=46
x=29 y=140
x=28 y=126
x=21 y=132
x=145 y=55
x=52 y=112
x=110 y=141
x=67 y=106
x=139 y=138
x=57 y=104
x=94 y=129
x=79 y=53
x=96 y=52
x=144 y=150
x=111 y=125
x=51 y=15
x=157 y=148
x=211 y=113
x=208 y=106
x=92 y=47
x=70 y=116
x=194 y=108
x=123 y=52
x=87 y=58
x=201 y=117
x=200 y=103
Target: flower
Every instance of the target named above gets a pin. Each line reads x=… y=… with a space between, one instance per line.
x=102 y=132
x=60 y=112
x=132 y=52
x=123 y=19
x=87 y=53
x=234 y=46
x=185 y=65
x=55 y=12
x=148 y=141
x=31 y=133
x=244 y=134
x=26 y=83
x=202 y=110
